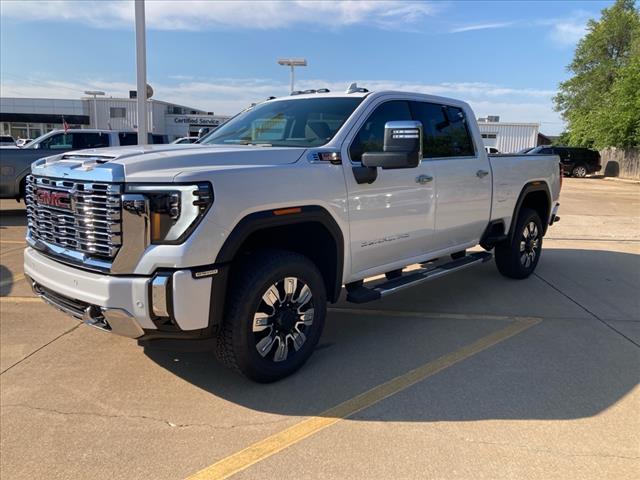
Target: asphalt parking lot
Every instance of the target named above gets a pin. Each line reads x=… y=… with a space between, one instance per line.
x=473 y=376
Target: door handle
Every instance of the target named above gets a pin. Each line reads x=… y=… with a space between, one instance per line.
x=481 y=173
x=424 y=179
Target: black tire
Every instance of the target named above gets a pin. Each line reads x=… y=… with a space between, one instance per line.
x=579 y=171
x=252 y=279
x=518 y=257
x=22 y=190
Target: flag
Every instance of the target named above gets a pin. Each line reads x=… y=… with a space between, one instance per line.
x=65 y=125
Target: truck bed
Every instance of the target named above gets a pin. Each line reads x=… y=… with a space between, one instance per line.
x=512 y=172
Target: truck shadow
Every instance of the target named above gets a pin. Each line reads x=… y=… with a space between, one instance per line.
x=13 y=218
x=571 y=365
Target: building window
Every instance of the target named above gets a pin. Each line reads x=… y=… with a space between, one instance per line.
x=117 y=112
x=489 y=135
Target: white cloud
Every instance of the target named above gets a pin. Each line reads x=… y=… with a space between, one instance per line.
x=566 y=32
x=481 y=26
x=207 y=15
x=228 y=95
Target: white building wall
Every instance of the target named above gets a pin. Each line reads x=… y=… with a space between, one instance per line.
x=112 y=113
x=128 y=122
x=510 y=137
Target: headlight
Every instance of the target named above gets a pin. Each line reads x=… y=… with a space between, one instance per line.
x=174 y=210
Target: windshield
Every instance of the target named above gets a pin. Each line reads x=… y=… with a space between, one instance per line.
x=308 y=122
x=36 y=142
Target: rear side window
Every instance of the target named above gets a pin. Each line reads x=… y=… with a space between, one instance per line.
x=545 y=151
x=128 y=138
x=90 y=140
x=445 y=130
x=370 y=137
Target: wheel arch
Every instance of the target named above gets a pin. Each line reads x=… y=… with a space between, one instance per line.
x=309 y=230
x=537 y=196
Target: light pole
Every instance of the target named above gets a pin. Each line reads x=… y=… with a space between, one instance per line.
x=141 y=64
x=293 y=62
x=94 y=93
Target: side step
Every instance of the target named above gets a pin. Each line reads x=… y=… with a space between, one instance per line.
x=365 y=294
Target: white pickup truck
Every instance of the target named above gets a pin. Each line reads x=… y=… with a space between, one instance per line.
x=246 y=236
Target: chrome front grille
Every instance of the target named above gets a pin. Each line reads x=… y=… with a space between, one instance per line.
x=82 y=216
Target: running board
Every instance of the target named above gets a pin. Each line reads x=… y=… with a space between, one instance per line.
x=410 y=279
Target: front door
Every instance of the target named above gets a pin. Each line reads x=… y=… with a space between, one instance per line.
x=391 y=219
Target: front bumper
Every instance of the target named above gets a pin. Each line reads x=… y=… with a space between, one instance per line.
x=125 y=305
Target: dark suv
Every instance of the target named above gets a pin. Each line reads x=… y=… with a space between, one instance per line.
x=576 y=161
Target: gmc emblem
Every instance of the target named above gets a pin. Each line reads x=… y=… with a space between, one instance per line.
x=52 y=198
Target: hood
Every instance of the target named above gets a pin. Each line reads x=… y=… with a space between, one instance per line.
x=165 y=162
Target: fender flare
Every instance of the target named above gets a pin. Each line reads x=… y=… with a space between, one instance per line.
x=262 y=220
x=535 y=186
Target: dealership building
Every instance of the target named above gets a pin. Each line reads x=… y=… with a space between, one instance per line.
x=508 y=137
x=32 y=117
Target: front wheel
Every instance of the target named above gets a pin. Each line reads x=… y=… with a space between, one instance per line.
x=518 y=257
x=275 y=315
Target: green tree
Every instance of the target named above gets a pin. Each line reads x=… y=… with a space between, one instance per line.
x=601 y=101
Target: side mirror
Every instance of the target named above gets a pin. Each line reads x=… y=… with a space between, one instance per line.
x=402 y=146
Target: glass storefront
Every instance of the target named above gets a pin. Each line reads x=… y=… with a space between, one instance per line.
x=30 y=130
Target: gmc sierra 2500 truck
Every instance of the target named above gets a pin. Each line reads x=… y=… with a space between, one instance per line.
x=245 y=237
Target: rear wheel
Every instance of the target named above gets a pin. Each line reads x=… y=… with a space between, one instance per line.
x=275 y=315
x=518 y=257
x=579 y=171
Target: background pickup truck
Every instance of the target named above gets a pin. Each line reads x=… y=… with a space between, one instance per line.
x=15 y=163
x=246 y=236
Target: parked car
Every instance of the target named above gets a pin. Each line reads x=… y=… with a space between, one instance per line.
x=576 y=161
x=185 y=140
x=245 y=238
x=7 y=141
x=16 y=163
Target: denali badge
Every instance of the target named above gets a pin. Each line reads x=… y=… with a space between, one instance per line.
x=53 y=198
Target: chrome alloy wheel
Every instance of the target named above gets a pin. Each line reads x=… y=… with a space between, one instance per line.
x=284 y=315
x=580 y=171
x=529 y=244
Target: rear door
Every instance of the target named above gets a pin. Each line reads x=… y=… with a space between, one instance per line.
x=462 y=175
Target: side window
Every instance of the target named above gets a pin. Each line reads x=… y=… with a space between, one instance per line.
x=546 y=151
x=370 y=137
x=90 y=140
x=128 y=138
x=60 y=141
x=445 y=130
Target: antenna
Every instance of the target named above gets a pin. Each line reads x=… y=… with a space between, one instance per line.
x=354 y=88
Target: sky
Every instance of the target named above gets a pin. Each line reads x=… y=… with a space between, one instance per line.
x=504 y=58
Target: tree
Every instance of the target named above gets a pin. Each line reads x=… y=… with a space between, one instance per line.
x=601 y=101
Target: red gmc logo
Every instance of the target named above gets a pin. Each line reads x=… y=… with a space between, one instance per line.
x=53 y=198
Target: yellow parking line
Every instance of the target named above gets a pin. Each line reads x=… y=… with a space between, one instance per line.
x=9 y=281
x=271 y=445
x=13 y=241
x=21 y=299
